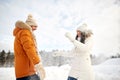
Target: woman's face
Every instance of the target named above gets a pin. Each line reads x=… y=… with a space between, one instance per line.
x=78 y=33
x=34 y=28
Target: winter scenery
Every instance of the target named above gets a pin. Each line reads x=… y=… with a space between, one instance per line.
x=55 y=18
x=57 y=68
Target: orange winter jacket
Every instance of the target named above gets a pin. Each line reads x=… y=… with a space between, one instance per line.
x=25 y=52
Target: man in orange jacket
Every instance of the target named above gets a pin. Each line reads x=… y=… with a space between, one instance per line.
x=27 y=60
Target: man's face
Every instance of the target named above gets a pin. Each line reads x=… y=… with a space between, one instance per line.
x=34 y=28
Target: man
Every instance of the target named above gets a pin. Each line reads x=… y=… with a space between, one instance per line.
x=27 y=61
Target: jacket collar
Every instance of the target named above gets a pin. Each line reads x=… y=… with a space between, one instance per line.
x=22 y=25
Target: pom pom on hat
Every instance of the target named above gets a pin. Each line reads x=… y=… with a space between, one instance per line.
x=30 y=16
x=82 y=27
x=31 y=21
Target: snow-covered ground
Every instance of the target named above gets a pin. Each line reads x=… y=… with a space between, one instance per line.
x=108 y=70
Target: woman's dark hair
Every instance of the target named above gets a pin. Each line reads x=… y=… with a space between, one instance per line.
x=83 y=37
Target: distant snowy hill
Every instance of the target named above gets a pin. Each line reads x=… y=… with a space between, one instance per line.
x=108 y=70
x=113 y=61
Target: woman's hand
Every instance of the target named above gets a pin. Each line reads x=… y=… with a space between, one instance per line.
x=69 y=36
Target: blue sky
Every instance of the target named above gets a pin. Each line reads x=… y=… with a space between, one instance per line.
x=55 y=17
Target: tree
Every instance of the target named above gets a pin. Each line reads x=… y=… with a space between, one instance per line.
x=2 y=58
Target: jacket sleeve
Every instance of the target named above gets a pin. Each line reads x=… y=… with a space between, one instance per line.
x=84 y=47
x=29 y=46
x=80 y=46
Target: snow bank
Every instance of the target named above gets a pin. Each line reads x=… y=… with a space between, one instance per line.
x=108 y=70
x=57 y=73
x=52 y=73
x=7 y=74
x=114 y=61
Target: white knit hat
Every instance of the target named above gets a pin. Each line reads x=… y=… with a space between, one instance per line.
x=31 y=21
x=82 y=27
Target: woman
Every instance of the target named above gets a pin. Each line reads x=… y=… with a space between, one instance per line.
x=81 y=68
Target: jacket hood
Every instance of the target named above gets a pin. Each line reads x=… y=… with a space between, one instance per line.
x=21 y=25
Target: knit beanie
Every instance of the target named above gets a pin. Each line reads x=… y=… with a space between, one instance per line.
x=82 y=27
x=31 y=21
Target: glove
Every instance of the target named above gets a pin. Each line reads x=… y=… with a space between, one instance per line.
x=69 y=36
x=40 y=71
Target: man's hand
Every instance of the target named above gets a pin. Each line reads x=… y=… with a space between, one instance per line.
x=40 y=71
